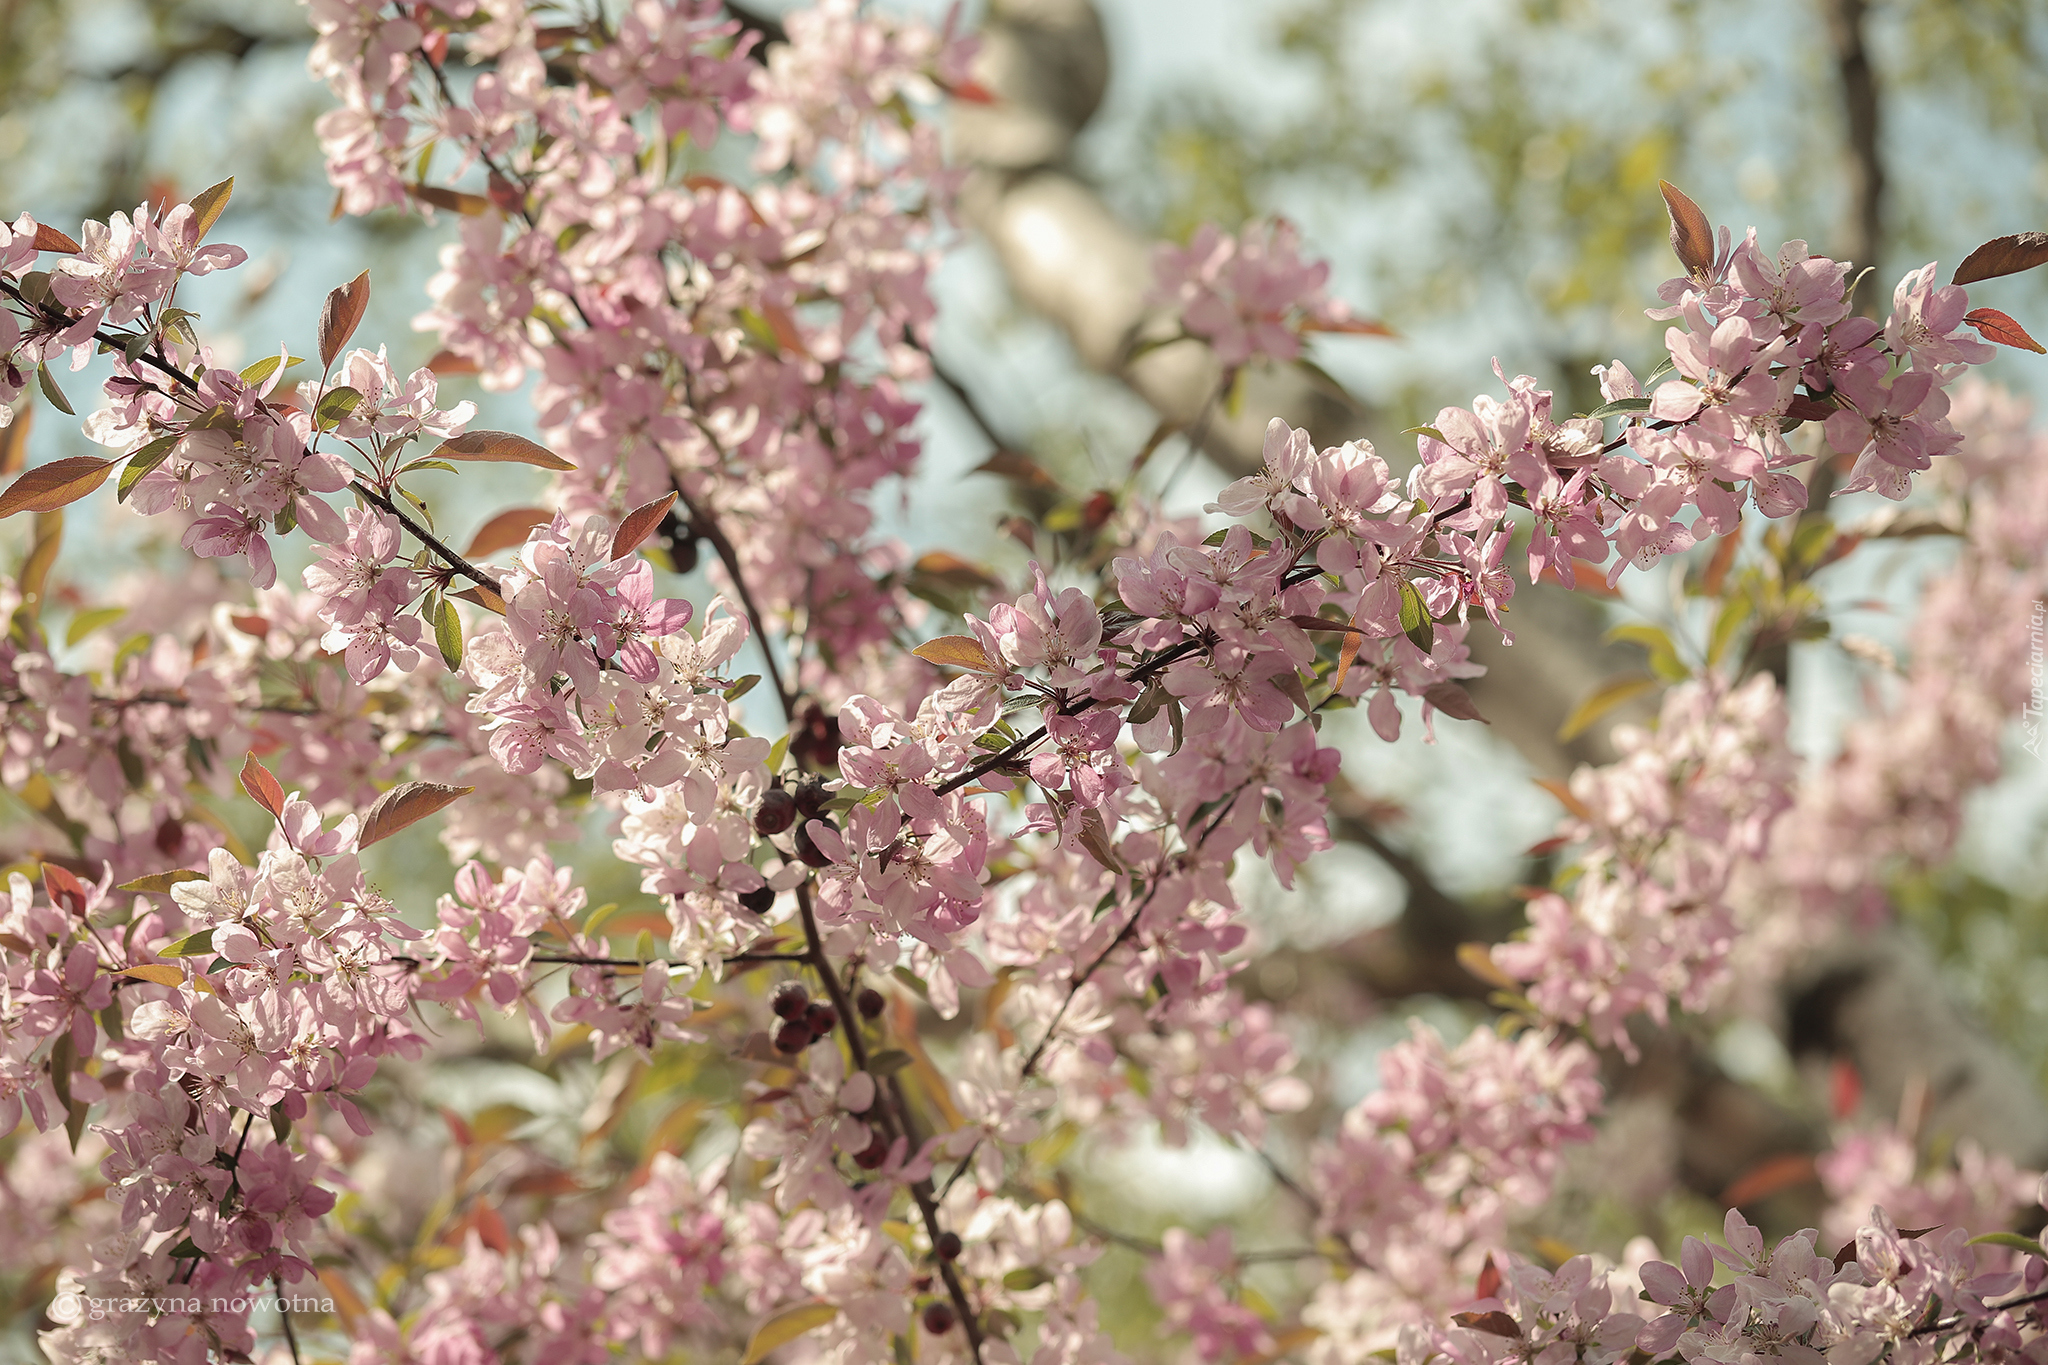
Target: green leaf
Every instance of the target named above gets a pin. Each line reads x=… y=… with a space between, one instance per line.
x=177 y=322
x=1431 y=432
x=1734 y=612
x=448 y=633
x=430 y=464
x=888 y=1062
x=742 y=687
x=2009 y=1239
x=1663 y=659
x=141 y=462
x=164 y=881
x=280 y=1122
x=192 y=945
x=1605 y=698
x=776 y=753
x=1620 y=407
x=786 y=1327
x=1811 y=541
x=86 y=622
x=207 y=206
x=266 y=367
x=419 y=504
x=52 y=392
x=1415 y=622
x=335 y=405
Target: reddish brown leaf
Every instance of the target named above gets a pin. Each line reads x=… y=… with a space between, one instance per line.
x=341 y=315
x=1692 y=236
x=14 y=442
x=1454 y=701
x=1020 y=469
x=162 y=973
x=970 y=91
x=57 y=484
x=1806 y=408
x=1489 y=1279
x=445 y=363
x=1323 y=623
x=65 y=890
x=640 y=523
x=1564 y=796
x=207 y=206
x=1477 y=959
x=1496 y=1323
x=2003 y=256
x=404 y=805
x=469 y=205
x=1768 y=1177
x=1364 y=327
x=1718 y=566
x=499 y=447
x=487 y=598
x=505 y=530
x=953 y=570
x=1996 y=326
x=257 y=626
x=262 y=787
x=49 y=239
x=957 y=651
x=508 y=198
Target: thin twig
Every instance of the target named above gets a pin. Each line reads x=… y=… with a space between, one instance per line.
x=894 y=1115
x=291 y=1337
x=424 y=536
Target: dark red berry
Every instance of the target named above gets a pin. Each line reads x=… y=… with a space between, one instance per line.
x=790 y=1000
x=948 y=1246
x=807 y=848
x=870 y=1002
x=777 y=812
x=811 y=797
x=938 y=1319
x=872 y=1155
x=792 y=1037
x=814 y=741
x=821 y=1018
x=760 y=900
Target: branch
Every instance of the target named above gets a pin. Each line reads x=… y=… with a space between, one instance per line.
x=705 y=525
x=424 y=536
x=895 y=1116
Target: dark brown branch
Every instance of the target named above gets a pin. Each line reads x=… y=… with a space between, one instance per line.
x=1862 y=116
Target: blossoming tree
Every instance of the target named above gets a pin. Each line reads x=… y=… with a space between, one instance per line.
x=1020 y=824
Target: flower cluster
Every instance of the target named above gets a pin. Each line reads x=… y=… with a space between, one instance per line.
x=1047 y=808
x=1914 y=1296
x=1663 y=830
x=1251 y=294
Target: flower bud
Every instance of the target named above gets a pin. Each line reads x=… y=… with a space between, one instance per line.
x=939 y=1319
x=760 y=900
x=811 y=797
x=790 y=1000
x=792 y=1037
x=948 y=1246
x=873 y=1155
x=821 y=1018
x=870 y=1002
